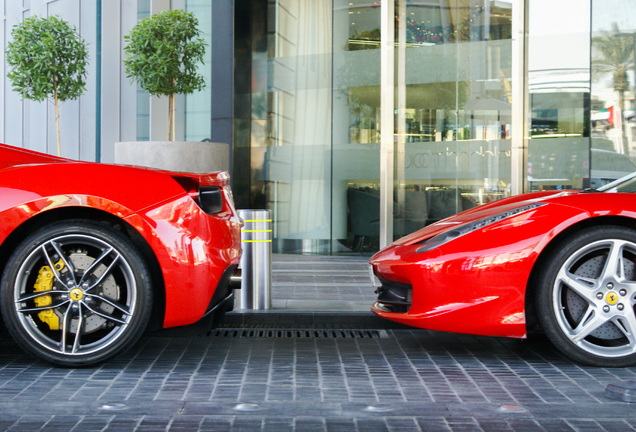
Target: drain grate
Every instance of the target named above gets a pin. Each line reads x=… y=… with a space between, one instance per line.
x=300 y=333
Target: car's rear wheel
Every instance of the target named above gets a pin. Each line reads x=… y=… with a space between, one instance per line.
x=586 y=297
x=76 y=293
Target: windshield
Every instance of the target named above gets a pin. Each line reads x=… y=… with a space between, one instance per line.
x=623 y=184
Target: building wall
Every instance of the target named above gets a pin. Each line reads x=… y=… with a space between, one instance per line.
x=113 y=108
x=295 y=88
x=105 y=113
x=31 y=124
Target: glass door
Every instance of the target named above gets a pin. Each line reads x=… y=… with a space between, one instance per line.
x=356 y=126
x=453 y=108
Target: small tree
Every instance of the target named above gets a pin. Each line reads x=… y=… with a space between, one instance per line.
x=616 y=57
x=48 y=59
x=162 y=54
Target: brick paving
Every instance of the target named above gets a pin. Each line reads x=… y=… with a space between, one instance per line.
x=304 y=378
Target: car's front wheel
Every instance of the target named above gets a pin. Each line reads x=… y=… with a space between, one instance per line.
x=587 y=294
x=75 y=293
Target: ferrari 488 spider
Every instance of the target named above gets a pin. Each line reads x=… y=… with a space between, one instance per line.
x=91 y=254
x=561 y=261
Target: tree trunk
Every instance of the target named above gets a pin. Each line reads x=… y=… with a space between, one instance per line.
x=57 y=117
x=169 y=116
x=621 y=106
x=174 y=118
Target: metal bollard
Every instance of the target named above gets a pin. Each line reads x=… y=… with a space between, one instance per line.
x=256 y=261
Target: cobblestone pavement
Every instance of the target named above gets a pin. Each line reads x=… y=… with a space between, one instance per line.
x=263 y=377
x=384 y=380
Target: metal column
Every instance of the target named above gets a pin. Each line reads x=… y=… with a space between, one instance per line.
x=256 y=261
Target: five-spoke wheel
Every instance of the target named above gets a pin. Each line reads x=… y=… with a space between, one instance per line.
x=76 y=293
x=587 y=295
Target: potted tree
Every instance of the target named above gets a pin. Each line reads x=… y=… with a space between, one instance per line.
x=48 y=59
x=161 y=56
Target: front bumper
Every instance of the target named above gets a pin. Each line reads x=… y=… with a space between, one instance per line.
x=453 y=292
x=392 y=296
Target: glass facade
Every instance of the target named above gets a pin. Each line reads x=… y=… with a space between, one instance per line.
x=308 y=110
x=613 y=113
x=356 y=122
x=283 y=115
x=559 y=95
x=453 y=103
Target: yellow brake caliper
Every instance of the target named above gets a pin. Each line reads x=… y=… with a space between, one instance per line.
x=45 y=283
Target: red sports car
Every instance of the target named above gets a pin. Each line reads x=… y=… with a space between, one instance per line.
x=564 y=261
x=91 y=254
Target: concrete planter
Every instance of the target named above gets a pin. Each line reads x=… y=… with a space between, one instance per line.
x=178 y=156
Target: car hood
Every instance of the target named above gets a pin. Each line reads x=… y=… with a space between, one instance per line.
x=483 y=211
x=135 y=188
x=14 y=156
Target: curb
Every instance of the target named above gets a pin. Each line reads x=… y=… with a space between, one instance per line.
x=296 y=319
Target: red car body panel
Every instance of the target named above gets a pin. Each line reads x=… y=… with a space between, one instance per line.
x=193 y=249
x=477 y=282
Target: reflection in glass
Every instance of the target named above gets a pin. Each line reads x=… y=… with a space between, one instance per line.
x=613 y=117
x=356 y=125
x=453 y=96
x=290 y=121
x=308 y=123
x=559 y=89
x=453 y=102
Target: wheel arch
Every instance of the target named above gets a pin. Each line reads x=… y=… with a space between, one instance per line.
x=66 y=213
x=532 y=322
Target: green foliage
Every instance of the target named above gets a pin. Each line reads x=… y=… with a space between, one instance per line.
x=163 y=51
x=47 y=59
x=616 y=56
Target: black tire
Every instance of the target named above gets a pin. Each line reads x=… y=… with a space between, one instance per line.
x=100 y=285
x=586 y=297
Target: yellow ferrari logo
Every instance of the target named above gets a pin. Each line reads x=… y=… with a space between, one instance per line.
x=76 y=294
x=611 y=298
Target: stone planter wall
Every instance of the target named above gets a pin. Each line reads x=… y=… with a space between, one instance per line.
x=178 y=156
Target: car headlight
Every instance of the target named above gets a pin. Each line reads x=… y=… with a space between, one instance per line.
x=452 y=234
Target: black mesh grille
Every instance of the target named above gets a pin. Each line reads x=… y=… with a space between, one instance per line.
x=300 y=333
x=395 y=296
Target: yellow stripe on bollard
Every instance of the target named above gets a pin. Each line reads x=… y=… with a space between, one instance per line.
x=256 y=261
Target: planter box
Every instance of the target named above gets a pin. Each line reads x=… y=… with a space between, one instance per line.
x=178 y=156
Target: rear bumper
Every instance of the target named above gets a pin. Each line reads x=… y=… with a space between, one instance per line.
x=222 y=302
x=225 y=289
x=197 y=254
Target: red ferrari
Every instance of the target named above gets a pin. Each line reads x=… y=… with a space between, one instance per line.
x=564 y=261
x=92 y=255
